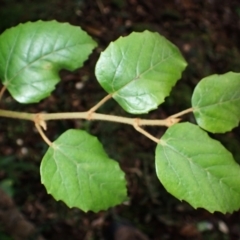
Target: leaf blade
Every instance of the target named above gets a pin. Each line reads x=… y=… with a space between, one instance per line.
x=78 y=171
x=33 y=53
x=216 y=101
x=195 y=168
x=139 y=70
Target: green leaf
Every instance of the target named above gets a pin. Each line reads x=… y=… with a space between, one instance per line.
x=216 y=102
x=32 y=54
x=195 y=168
x=77 y=171
x=140 y=70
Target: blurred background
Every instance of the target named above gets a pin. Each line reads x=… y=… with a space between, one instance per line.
x=208 y=34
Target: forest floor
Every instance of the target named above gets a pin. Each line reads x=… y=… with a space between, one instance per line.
x=207 y=33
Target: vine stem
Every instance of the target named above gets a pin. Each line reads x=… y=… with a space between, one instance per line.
x=18 y=115
x=40 y=119
x=2 y=92
x=85 y=115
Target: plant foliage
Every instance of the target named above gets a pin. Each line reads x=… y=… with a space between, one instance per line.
x=32 y=54
x=138 y=71
x=77 y=170
x=192 y=167
x=216 y=101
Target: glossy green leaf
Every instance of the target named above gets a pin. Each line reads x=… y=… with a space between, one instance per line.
x=140 y=70
x=77 y=171
x=195 y=168
x=216 y=102
x=32 y=54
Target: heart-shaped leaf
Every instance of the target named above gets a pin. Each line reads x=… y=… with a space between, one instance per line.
x=195 y=168
x=77 y=171
x=140 y=70
x=32 y=54
x=216 y=102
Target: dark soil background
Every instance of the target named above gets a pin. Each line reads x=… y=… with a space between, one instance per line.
x=207 y=33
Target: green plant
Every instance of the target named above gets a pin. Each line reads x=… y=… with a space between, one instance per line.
x=138 y=71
